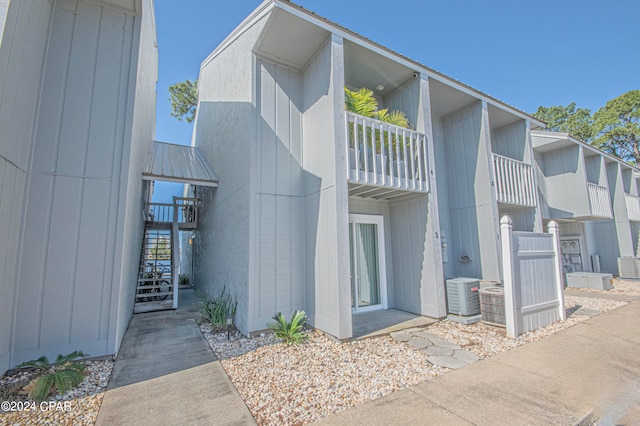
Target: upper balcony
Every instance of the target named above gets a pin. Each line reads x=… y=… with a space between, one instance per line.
x=633 y=207
x=599 y=201
x=183 y=212
x=384 y=160
x=514 y=182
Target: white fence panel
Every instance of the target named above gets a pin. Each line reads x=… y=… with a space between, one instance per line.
x=532 y=278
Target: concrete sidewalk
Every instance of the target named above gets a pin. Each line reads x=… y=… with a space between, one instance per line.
x=166 y=373
x=591 y=370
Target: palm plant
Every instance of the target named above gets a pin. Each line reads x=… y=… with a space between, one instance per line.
x=291 y=332
x=364 y=103
x=360 y=102
x=61 y=375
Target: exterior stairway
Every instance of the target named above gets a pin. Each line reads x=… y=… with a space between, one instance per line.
x=155 y=274
x=157 y=287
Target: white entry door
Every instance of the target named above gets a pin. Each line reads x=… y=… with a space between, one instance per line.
x=368 y=272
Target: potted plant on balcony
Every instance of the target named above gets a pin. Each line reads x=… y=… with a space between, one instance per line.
x=364 y=103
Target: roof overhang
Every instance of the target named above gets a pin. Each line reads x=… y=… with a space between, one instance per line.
x=178 y=163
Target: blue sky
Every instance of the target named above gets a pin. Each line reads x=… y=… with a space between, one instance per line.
x=527 y=54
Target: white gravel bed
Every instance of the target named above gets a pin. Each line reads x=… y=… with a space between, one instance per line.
x=287 y=385
x=237 y=344
x=79 y=406
x=620 y=286
x=485 y=340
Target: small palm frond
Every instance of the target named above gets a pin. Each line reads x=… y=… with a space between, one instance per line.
x=66 y=380
x=42 y=387
x=361 y=102
x=397 y=118
x=290 y=332
x=60 y=359
x=41 y=363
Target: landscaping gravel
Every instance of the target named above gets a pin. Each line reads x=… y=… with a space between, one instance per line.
x=79 y=406
x=287 y=385
x=620 y=286
x=299 y=384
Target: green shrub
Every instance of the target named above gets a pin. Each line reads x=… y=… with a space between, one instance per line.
x=61 y=375
x=291 y=332
x=183 y=279
x=215 y=310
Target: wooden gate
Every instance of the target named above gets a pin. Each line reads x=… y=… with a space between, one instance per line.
x=533 y=288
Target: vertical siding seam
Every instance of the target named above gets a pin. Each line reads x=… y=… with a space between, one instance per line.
x=63 y=98
x=79 y=208
x=52 y=186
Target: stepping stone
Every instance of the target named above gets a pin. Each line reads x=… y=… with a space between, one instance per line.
x=401 y=336
x=426 y=335
x=437 y=350
x=447 y=361
x=466 y=356
x=419 y=342
x=438 y=341
x=588 y=312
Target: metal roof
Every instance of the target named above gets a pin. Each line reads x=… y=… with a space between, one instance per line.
x=178 y=163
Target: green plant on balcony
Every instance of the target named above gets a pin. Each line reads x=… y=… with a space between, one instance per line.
x=364 y=103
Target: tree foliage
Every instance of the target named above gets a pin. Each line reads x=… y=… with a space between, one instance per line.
x=184 y=100
x=617 y=127
x=614 y=128
x=575 y=121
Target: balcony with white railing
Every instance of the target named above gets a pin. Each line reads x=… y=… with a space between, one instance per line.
x=183 y=211
x=385 y=156
x=514 y=182
x=633 y=207
x=599 y=200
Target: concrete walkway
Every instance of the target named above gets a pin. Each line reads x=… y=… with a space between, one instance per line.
x=602 y=295
x=166 y=373
x=591 y=370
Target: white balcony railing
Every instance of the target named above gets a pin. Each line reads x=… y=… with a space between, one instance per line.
x=385 y=155
x=514 y=181
x=184 y=211
x=599 y=200
x=633 y=207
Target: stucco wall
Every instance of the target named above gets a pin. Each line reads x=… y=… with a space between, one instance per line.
x=225 y=132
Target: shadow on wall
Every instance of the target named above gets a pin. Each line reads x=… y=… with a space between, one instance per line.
x=257 y=231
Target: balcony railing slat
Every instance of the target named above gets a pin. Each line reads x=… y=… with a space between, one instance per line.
x=599 y=200
x=385 y=155
x=633 y=207
x=513 y=181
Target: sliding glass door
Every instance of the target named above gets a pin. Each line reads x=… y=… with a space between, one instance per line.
x=368 y=274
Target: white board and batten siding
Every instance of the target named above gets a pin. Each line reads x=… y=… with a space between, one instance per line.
x=279 y=199
x=73 y=239
x=532 y=278
x=473 y=220
x=23 y=36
